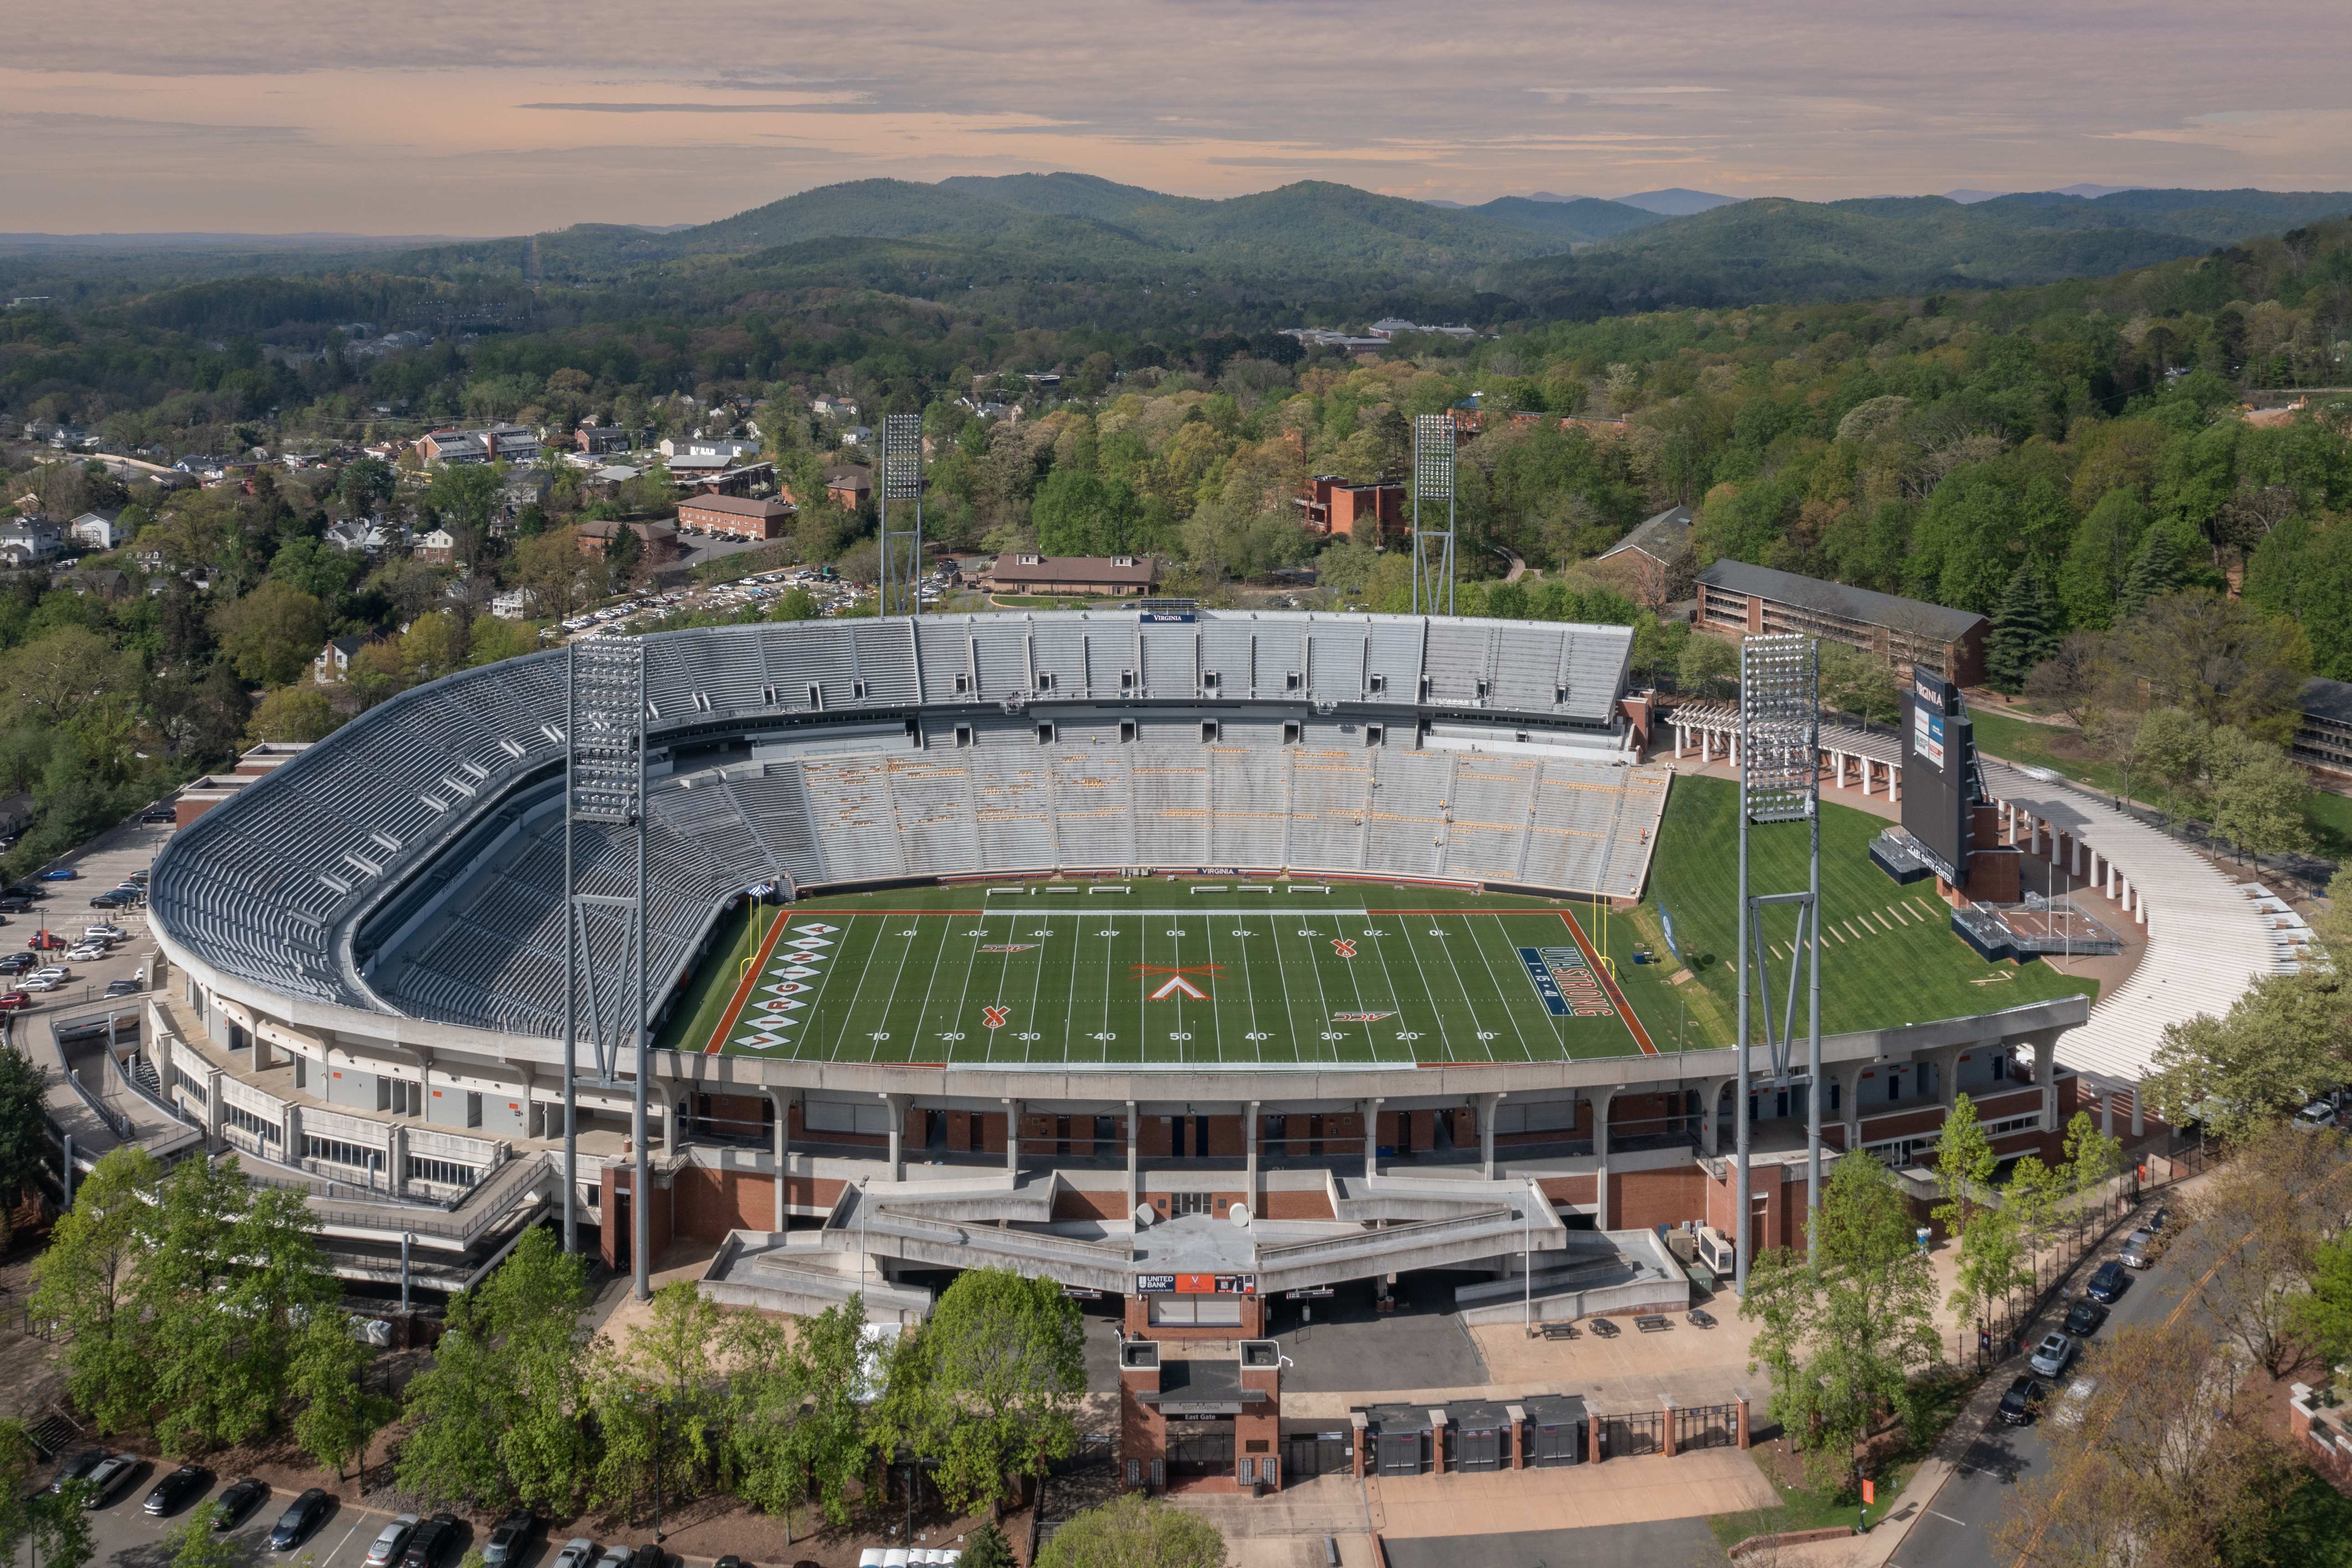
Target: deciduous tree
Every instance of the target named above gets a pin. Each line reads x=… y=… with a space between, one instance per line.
x=1134 y=1532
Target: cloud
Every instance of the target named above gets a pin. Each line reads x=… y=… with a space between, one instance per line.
x=811 y=100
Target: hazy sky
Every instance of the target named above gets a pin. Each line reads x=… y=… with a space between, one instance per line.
x=424 y=116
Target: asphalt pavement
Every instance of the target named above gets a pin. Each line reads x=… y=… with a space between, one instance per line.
x=1958 y=1529
x=125 y=1536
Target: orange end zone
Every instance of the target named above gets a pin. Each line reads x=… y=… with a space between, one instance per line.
x=1609 y=984
x=743 y=991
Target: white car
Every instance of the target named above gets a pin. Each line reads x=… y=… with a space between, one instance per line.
x=102 y=932
x=86 y=952
x=578 y=1553
x=39 y=983
x=391 y=1542
x=2051 y=1356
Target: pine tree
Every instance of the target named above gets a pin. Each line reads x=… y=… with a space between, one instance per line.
x=2025 y=630
x=2156 y=569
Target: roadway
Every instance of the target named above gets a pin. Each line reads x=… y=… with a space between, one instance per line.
x=1957 y=1527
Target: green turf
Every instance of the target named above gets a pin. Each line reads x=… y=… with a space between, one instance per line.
x=907 y=975
x=1878 y=968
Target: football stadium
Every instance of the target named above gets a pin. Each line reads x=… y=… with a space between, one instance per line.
x=1196 y=959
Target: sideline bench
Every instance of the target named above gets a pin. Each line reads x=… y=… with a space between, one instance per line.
x=1653 y=1322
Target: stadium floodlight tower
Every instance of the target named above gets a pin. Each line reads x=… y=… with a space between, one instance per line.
x=1433 y=547
x=901 y=589
x=1780 y=782
x=605 y=929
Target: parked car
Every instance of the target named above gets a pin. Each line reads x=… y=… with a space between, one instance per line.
x=14 y=1001
x=2083 y=1320
x=44 y=941
x=159 y=813
x=431 y=1543
x=2318 y=1114
x=102 y=931
x=2139 y=1248
x=302 y=1516
x=14 y=903
x=577 y=1552
x=391 y=1542
x=647 y=1556
x=126 y=986
x=614 y=1557
x=57 y=972
x=2051 y=1356
x=106 y=1482
x=2111 y=1281
x=77 y=1467
x=61 y=874
x=511 y=1538
x=178 y=1489
x=39 y=983
x=230 y=1509
x=17 y=962
x=84 y=953
x=2024 y=1401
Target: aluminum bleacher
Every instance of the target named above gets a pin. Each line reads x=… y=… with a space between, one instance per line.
x=1083 y=739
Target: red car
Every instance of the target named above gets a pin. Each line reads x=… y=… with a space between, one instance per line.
x=14 y=1001
x=44 y=941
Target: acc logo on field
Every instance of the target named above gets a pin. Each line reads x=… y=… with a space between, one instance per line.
x=994 y=1017
x=1343 y=946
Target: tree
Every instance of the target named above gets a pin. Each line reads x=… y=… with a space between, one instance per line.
x=2253 y=1242
x=2322 y=1321
x=2025 y=630
x=2260 y=799
x=796 y=1425
x=990 y=1386
x=2170 y=742
x=339 y=1414
x=2093 y=1158
x=272 y=634
x=2073 y=677
x=2283 y=1041
x=2106 y=543
x=196 y=1544
x=2221 y=660
x=2031 y=1198
x=623 y=552
x=55 y=678
x=2155 y=570
x=1964 y=1166
x=1710 y=668
x=26 y=1146
x=499 y=1416
x=1859 y=683
x=82 y=1284
x=1133 y=1531
x=59 y=1525
x=1844 y=1332
x=987 y=1548
x=656 y=1398
x=1992 y=1259
x=294 y=713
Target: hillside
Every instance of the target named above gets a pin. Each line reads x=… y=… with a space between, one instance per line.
x=1775 y=249
x=1578 y=220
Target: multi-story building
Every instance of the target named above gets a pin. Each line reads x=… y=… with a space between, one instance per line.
x=1338 y=506
x=1736 y=600
x=737 y=517
x=2322 y=735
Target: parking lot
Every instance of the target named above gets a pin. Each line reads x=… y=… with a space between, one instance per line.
x=64 y=910
x=122 y=1533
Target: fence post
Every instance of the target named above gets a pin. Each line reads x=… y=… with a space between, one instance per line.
x=1739 y=1398
x=1666 y=1430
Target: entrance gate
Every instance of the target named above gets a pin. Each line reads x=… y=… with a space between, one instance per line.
x=1707 y=1427
x=1312 y=1453
x=1201 y=1447
x=1623 y=1436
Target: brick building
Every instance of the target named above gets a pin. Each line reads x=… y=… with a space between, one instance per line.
x=737 y=517
x=1736 y=600
x=1099 y=576
x=1339 y=508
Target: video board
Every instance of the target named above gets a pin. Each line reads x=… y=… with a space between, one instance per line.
x=1938 y=774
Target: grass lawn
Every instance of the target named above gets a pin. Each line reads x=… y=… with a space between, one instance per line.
x=1888 y=954
x=1173 y=973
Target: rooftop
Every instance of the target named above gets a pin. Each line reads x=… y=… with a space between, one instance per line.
x=1890 y=610
x=1661 y=537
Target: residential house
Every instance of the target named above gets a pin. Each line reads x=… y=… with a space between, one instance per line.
x=1336 y=507
x=737 y=517
x=730 y=447
x=1652 y=564
x=367 y=536
x=514 y=604
x=598 y=439
x=438 y=545
x=105 y=582
x=833 y=407
x=1736 y=600
x=848 y=487
x=857 y=435
x=1096 y=576
x=333 y=664
x=30 y=541
x=97 y=529
x=492 y=443
x=660 y=539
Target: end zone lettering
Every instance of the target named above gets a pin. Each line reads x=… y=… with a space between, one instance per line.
x=1566 y=983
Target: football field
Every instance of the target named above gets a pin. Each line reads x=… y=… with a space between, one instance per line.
x=1174 y=973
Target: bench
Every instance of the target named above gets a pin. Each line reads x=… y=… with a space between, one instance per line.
x=1700 y=1318
x=1653 y=1322
x=1560 y=1331
x=1604 y=1328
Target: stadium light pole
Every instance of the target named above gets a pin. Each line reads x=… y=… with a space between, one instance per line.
x=1780 y=781
x=902 y=543
x=1433 y=480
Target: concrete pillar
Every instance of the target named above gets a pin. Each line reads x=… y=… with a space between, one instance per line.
x=1948 y=1074
x=781 y=1098
x=2139 y=1116
x=2082 y=852
x=898 y=1104
x=2045 y=1075
x=1517 y=1416
x=1850 y=1105
x=261 y=1057
x=1710 y=1125
x=1601 y=1216
x=1739 y=1400
x=1249 y=1143
x=1437 y=1442
x=1371 y=1109
x=292 y=1152
x=397 y=1158
x=669 y=1119
x=1487 y=1104
x=2107 y=1113
x=1678 y=742
x=1666 y=1428
x=1134 y=1157
x=1013 y=1141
